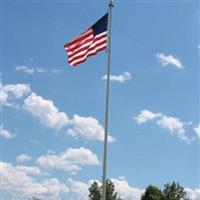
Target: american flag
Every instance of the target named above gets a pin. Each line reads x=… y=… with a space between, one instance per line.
x=89 y=43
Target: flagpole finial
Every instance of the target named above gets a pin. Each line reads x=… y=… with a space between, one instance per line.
x=111 y=4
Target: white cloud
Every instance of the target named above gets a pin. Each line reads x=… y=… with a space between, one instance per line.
x=193 y=194
x=34 y=70
x=3 y=95
x=23 y=157
x=45 y=111
x=88 y=128
x=146 y=115
x=28 y=170
x=197 y=131
x=79 y=190
x=17 y=182
x=125 y=191
x=119 y=78
x=5 y=133
x=18 y=90
x=169 y=60
x=71 y=160
x=173 y=125
x=49 y=115
x=13 y=91
x=25 y=69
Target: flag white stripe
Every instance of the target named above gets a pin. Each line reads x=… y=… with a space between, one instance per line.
x=91 y=46
x=74 y=44
x=86 y=44
x=81 y=43
x=100 y=34
x=89 y=52
x=82 y=46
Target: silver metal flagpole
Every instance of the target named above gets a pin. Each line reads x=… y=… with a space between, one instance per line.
x=107 y=100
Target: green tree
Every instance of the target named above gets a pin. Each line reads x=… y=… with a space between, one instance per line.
x=95 y=191
x=152 y=193
x=174 y=192
x=110 y=191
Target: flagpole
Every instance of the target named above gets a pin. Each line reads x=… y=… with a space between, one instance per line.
x=107 y=100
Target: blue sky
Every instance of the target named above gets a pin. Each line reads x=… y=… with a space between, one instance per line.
x=53 y=115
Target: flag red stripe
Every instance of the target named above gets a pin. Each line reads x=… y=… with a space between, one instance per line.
x=86 y=47
x=80 y=38
x=92 y=54
x=89 y=49
x=85 y=53
x=88 y=43
x=73 y=48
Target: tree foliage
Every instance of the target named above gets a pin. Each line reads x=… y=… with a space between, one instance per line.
x=95 y=191
x=110 y=191
x=152 y=193
x=174 y=192
x=170 y=192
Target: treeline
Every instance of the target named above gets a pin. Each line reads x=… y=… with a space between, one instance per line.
x=172 y=191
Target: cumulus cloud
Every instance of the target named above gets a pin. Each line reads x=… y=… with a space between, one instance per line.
x=45 y=111
x=28 y=170
x=197 y=131
x=49 y=115
x=5 y=133
x=79 y=190
x=88 y=128
x=119 y=78
x=18 y=90
x=23 y=157
x=17 y=182
x=125 y=191
x=10 y=92
x=175 y=126
x=193 y=194
x=146 y=115
x=35 y=70
x=169 y=60
x=172 y=124
x=71 y=160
